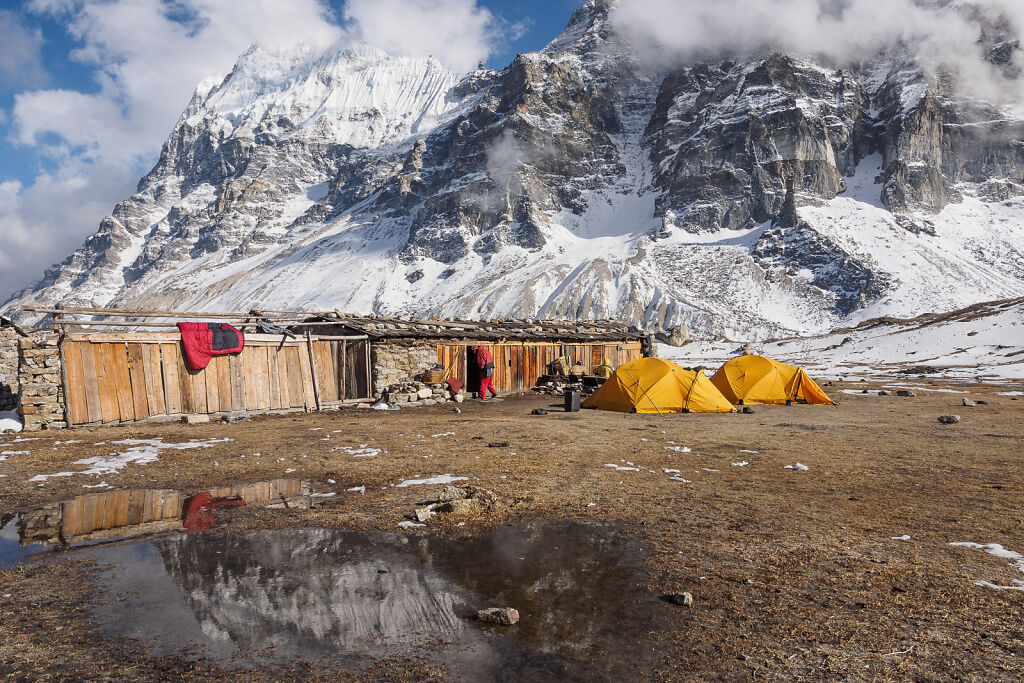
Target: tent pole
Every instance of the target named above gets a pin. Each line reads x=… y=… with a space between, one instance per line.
x=645 y=392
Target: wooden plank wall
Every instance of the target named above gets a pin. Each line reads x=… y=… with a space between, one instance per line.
x=125 y=381
x=518 y=366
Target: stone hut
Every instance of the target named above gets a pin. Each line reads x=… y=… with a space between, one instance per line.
x=403 y=349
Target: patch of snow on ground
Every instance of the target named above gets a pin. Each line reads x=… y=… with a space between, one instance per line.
x=357 y=489
x=741 y=463
x=9 y=421
x=621 y=468
x=904 y=537
x=439 y=479
x=800 y=467
x=1016 y=561
x=361 y=452
x=409 y=525
x=678 y=449
x=142 y=451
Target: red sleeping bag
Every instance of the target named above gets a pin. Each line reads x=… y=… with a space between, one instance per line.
x=202 y=341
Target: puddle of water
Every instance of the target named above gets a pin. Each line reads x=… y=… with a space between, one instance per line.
x=305 y=594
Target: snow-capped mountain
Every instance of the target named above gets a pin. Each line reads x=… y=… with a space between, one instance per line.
x=750 y=197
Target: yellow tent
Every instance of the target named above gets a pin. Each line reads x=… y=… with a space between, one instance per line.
x=655 y=385
x=758 y=379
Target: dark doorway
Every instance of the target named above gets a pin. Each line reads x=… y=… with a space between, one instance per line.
x=472 y=371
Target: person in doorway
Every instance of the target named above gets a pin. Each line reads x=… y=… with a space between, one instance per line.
x=485 y=361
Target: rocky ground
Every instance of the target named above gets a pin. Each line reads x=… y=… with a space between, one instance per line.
x=795 y=574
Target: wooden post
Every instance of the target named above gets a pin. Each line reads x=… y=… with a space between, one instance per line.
x=312 y=368
x=343 y=380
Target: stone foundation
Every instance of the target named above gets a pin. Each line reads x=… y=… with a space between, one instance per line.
x=30 y=378
x=9 y=351
x=400 y=363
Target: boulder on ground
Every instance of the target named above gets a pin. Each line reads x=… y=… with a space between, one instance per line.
x=195 y=419
x=450 y=493
x=684 y=599
x=906 y=392
x=968 y=403
x=949 y=419
x=459 y=506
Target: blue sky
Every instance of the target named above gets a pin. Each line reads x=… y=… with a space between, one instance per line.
x=89 y=89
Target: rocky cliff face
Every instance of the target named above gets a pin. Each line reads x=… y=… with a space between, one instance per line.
x=748 y=197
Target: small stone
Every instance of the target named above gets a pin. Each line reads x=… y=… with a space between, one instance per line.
x=883 y=392
x=969 y=403
x=504 y=616
x=450 y=493
x=457 y=411
x=749 y=410
x=948 y=419
x=235 y=417
x=459 y=398
x=498 y=444
x=362 y=405
x=538 y=411
x=424 y=393
x=423 y=514
x=906 y=392
x=684 y=599
x=195 y=419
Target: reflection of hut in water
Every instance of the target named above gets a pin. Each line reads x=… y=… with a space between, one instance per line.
x=138 y=512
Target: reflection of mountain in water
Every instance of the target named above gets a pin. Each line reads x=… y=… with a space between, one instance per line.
x=311 y=593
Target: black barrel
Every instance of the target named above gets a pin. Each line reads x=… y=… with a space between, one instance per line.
x=572 y=401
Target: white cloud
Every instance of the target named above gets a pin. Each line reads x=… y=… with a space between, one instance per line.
x=147 y=57
x=458 y=33
x=20 y=52
x=939 y=34
x=41 y=224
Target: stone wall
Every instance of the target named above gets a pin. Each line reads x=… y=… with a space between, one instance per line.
x=8 y=368
x=39 y=381
x=399 y=363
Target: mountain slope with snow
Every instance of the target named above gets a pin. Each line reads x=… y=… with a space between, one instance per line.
x=753 y=197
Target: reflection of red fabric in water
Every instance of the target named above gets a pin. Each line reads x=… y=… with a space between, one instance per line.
x=197 y=510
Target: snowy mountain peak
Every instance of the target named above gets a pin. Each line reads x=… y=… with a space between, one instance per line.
x=749 y=197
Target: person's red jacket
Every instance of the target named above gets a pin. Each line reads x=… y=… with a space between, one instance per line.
x=483 y=357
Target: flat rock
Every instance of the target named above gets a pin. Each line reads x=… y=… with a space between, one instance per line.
x=423 y=514
x=906 y=392
x=504 y=616
x=949 y=419
x=195 y=419
x=749 y=410
x=424 y=393
x=968 y=403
